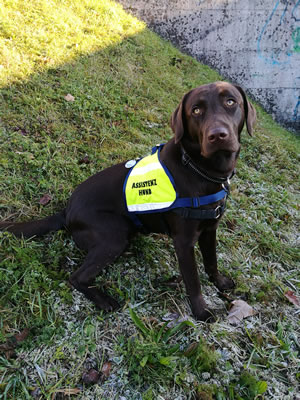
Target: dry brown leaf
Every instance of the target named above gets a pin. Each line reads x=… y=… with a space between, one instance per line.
x=238 y=311
x=69 y=97
x=191 y=349
x=106 y=369
x=67 y=392
x=292 y=298
x=84 y=160
x=8 y=348
x=92 y=376
x=20 y=337
x=45 y=199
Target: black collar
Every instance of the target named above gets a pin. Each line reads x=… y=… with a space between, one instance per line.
x=186 y=160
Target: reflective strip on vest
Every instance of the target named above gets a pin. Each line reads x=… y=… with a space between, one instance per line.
x=148 y=187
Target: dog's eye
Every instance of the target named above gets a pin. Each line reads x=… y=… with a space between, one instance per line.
x=197 y=111
x=230 y=102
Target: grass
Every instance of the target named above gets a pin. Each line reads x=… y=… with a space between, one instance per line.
x=126 y=82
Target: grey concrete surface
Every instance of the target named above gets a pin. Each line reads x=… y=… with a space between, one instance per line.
x=254 y=43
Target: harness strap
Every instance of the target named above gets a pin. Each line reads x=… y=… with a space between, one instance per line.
x=196 y=202
x=195 y=213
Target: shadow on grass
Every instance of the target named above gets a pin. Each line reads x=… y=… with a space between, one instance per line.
x=123 y=98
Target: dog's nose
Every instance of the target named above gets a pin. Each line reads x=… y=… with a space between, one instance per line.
x=218 y=134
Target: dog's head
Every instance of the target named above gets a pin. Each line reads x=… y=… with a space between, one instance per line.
x=212 y=117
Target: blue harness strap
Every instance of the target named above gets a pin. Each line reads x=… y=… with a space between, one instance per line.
x=196 y=202
x=187 y=207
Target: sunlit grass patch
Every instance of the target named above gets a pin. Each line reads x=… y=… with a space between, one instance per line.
x=36 y=35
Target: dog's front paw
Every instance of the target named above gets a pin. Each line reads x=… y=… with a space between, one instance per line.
x=106 y=303
x=223 y=283
x=201 y=311
x=205 y=316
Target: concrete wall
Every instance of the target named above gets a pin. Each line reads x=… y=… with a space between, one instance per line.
x=255 y=43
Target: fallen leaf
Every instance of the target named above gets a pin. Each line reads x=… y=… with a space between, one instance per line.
x=20 y=337
x=238 y=311
x=45 y=199
x=92 y=376
x=84 y=160
x=191 y=349
x=106 y=369
x=292 y=297
x=69 y=97
x=8 y=348
x=68 y=392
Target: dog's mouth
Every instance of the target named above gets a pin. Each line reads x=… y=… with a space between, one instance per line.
x=226 y=150
x=218 y=156
x=224 y=142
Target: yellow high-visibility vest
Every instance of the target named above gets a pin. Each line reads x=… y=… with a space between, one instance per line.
x=149 y=186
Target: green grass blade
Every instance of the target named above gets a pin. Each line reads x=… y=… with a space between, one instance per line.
x=170 y=332
x=138 y=323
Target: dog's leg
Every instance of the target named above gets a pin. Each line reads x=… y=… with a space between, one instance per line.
x=103 y=246
x=84 y=278
x=207 y=243
x=188 y=268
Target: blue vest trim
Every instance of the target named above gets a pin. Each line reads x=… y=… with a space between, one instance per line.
x=180 y=202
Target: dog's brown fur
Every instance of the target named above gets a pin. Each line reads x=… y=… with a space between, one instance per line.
x=207 y=123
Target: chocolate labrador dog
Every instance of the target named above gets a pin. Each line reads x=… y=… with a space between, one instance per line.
x=198 y=161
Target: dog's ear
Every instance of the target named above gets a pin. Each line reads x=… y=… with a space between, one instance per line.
x=177 y=118
x=177 y=123
x=250 y=113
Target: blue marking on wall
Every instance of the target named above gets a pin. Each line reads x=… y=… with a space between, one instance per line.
x=273 y=59
x=296 y=114
x=280 y=59
x=294 y=10
x=270 y=60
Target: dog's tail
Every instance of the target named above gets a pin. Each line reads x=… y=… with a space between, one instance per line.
x=36 y=227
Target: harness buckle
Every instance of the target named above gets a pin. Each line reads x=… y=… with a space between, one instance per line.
x=218 y=211
x=225 y=188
